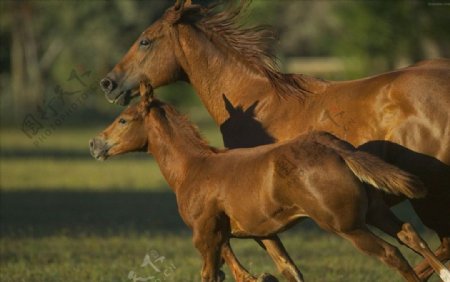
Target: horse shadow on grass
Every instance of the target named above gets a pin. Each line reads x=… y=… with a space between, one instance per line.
x=36 y=214
x=31 y=213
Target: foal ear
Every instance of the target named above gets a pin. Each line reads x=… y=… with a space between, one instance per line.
x=146 y=92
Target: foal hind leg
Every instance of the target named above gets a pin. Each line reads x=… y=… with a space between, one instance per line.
x=280 y=256
x=372 y=245
x=238 y=271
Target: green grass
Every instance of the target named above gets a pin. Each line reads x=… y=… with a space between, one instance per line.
x=67 y=217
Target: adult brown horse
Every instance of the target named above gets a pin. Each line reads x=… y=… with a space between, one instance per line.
x=258 y=192
x=401 y=115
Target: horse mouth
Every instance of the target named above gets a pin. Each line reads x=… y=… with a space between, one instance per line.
x=100 y=155
x=124 y=97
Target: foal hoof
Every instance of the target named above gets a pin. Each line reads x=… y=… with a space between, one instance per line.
x=267 y=277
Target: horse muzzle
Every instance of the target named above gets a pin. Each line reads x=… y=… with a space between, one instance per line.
x=99 y=149
x=116 y=94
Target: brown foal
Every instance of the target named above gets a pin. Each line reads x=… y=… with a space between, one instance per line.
x=261 y=191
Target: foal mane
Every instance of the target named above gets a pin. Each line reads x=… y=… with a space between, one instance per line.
x=179 y=126
x=251 y=44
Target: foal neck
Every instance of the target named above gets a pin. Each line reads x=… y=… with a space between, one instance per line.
x=175 y=143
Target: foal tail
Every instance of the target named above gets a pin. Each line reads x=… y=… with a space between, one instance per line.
x=376 y=172
x=381 y=175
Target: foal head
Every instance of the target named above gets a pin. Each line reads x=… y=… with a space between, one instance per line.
x=128 y=131
x=151 y=57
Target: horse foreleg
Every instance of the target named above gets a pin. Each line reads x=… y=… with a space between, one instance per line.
x=384 y=219
x=410 y=237
x=424 y=270
x=283 y=261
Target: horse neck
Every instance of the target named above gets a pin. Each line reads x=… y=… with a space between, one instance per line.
x=215 y=71
x=175 y=145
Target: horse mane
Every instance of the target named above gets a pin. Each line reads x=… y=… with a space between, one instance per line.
x=178 y=125
x=251 y=44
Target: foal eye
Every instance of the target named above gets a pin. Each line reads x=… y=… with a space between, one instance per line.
x=122 y=121
x=144 y=42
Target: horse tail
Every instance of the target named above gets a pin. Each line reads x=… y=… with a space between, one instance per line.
x=376 y=172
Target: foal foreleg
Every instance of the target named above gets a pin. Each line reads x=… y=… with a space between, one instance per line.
x=283 y=261
x=209 y=238
x=410 y=238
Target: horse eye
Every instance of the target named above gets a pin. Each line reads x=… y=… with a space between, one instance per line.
x=144 y=42
x=122 y=121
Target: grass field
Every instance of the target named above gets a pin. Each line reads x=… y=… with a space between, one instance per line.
x=67 y=217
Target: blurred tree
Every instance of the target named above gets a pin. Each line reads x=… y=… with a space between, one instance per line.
x=43 y=41
x=307 y=28
x=26 y=68
x=372 y=36
x=385 y=35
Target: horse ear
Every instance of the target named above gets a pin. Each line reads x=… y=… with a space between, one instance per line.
x=180 y=3
x=182 y=9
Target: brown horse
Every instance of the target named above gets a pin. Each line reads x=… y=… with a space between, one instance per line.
x=261 y=191
x=401 y=116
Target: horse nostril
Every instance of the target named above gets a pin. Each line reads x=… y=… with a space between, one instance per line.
x=91 y=143
x=107 y=85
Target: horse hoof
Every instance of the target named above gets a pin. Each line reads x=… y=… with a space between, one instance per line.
x=267 y=277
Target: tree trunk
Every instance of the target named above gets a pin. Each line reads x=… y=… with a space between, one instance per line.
x=27 y=87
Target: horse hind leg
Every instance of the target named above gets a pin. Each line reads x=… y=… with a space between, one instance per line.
x=372 y=245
